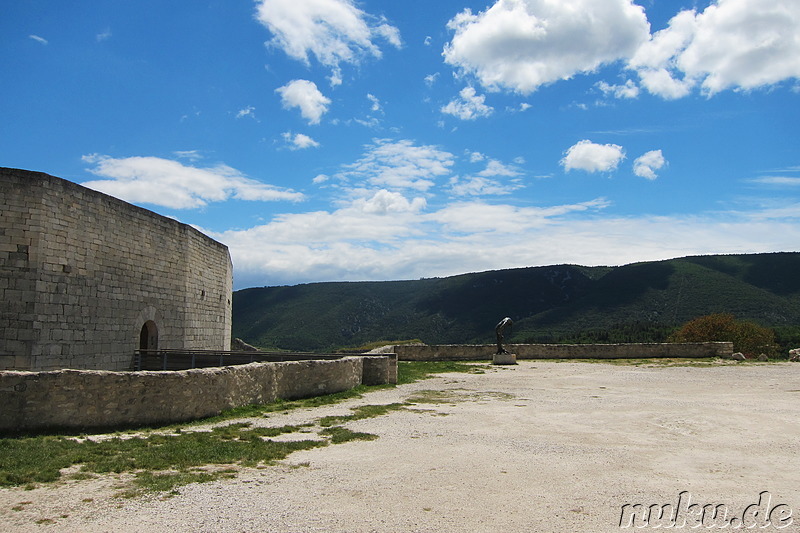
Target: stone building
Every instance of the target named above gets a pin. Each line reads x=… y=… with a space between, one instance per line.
x=87 y=279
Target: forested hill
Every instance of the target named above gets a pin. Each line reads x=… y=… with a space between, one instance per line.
x=637 y=302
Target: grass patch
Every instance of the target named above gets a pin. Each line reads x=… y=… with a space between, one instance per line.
x=260 y=410
x=40 y=459
x=168 y=481
x=360 y=413
x=162 y=462
x=411 y=371
x=452 y=396
x=339 y=434
x=380 y=344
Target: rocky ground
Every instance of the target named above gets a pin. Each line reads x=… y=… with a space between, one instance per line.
x=537 y=447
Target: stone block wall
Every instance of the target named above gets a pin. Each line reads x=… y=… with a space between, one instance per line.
x=81 y=274
x=477 y=352
x=87 y=399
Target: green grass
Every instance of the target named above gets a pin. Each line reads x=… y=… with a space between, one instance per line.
x=165 y=458
x=40 y=459
x=339 y=435
x=411 y=371
x=360 y=413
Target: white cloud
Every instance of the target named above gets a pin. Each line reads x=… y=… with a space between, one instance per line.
x=248 y=111
x=355 y=244
x=523 y=44
x=646 y=165
x=304 y=95
x=299 y=141
x=103 y=36
x=38 y=39
x=592 y=157
x=779 y=181
x=474 y=157
x=496 y=168
x=480 y=186
x=168 y=183
x=468 y=106
x=430 y=79
x=191 y=155
x=383 y=202
x=485 y=182
x=732 y=44
x=398 y=165
x=661 y=83
x=628 y=90
x=335 y=32
x=375 y=103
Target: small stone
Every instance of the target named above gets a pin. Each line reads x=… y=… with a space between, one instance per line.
x=738 y=356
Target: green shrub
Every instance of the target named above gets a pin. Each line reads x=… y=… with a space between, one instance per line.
x=747 y=337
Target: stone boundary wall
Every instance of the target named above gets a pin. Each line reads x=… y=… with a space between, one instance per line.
x=95 y=399
x=473 y=352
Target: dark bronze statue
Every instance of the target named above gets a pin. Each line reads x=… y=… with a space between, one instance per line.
x=499 y=329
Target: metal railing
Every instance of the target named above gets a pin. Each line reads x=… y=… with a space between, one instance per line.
x=176 y=359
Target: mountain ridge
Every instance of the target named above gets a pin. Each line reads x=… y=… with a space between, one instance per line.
x=639 y=302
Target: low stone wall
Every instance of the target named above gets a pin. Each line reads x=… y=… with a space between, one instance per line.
x=477 y=352
x=93 y=399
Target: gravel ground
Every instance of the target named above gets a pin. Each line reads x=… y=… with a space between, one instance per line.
x=537 y=447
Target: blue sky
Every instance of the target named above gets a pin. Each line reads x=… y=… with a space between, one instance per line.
x=331 y=140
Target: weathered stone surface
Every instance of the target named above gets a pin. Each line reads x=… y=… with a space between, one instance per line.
x=476 y=352
x=84 y=399
x=504 y=359
x=238 y=345
x=738 y=356
x=82 y=272
x=380 y=369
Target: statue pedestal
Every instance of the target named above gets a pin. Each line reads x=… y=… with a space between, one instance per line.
x=504 y=359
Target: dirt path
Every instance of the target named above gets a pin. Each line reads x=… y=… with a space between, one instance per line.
x=538 y=447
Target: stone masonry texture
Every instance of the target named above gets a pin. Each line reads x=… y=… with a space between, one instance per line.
x=477 y=352
x=93 y=399
x=81 y=274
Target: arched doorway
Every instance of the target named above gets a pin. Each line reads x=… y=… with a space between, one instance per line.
x=148 y=338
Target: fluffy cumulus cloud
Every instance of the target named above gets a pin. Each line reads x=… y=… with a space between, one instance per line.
x=592 y=157
x=522 y=44
x=334 y=32
x=732 y=44
x=519 y=45
x=299 y=141
x=646 y=165
x=398 y=165
x=468 y=106
x=383 y=202
x=627 y=90
x=304 y=95
x=168 y=183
